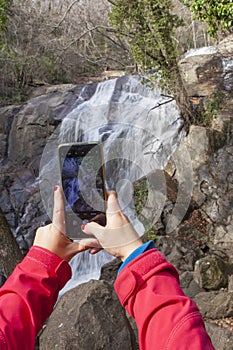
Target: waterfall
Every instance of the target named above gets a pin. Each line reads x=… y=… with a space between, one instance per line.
x=139 y=128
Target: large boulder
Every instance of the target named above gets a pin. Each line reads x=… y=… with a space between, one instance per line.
x=88 y=317
x=215 y=305
x=189 y=286
x=109 y=271
x=207 y=74
x=208 y=69
x=210 y=273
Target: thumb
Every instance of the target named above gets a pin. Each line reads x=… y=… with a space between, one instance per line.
x=92 y=228
x=112 y=204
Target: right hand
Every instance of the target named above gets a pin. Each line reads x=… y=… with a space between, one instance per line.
x=118 y=237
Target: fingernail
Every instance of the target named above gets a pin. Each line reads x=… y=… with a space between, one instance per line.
x=83 y=227
x=55 y=188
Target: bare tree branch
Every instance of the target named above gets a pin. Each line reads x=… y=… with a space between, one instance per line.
x=88 y=31
x=118 y=44
x=112 y=2
x=66 y=13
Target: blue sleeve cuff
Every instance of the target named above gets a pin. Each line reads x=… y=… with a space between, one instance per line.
x=146 y=246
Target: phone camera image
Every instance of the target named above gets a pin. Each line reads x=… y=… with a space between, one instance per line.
x=82 y=178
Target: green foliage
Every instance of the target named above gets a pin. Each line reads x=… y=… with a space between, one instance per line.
x=140 y=197
x=53 y=73
x=148 y=26
x=149 y=233
x=212 y=105
x=4 y=16
x=140 y=194
x=218 y=14
x=4 y=13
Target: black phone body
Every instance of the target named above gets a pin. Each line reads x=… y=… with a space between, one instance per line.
x=83 y=185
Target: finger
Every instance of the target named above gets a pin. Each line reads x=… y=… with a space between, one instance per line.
x=95 y=250
x=112 y=204
x=100 y=219
x=92 y=228
x=90 y=243
x=85 y=244
x=58 y=210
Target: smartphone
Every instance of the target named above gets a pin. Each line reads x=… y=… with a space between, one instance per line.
x=82 y=179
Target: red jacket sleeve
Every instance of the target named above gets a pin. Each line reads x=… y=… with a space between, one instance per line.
x=28 y=296
x=148 y=287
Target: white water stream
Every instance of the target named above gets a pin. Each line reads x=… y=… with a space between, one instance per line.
x=139 y=128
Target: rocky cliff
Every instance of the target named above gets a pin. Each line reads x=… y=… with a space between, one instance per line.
x=201 y=246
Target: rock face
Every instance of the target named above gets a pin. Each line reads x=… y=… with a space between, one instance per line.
x=200 y=246
x=88 y=317
x=219 y=210
x=24 y=131
x=201 y=143
x=208 y=69
x=207 y=74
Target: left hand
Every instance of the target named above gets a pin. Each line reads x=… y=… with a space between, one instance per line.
x=53 y=238
x=118 y=237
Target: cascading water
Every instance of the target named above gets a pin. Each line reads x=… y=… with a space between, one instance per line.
x=139 y=128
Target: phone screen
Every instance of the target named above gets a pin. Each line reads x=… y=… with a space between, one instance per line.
x=82 y=177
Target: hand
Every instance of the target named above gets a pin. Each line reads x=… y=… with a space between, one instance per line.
x=118 y=237
x=53 y=238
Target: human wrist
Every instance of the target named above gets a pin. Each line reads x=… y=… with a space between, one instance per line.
x=51 y=262
x=137 y=252
x=128 y=249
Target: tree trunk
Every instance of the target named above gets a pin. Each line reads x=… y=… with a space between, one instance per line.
x=10 y=254
x=184 y=103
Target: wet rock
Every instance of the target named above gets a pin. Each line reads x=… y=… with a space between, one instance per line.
x=7 y=115
x=88 y=317
x=24 y=131
x=41 y=110
x=34 y=122
x=210 y=273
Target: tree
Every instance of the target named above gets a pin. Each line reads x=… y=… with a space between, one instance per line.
x=218 y=14
x=149 y=27
x=10 y=254
x=4 y=13
x=56 y=42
